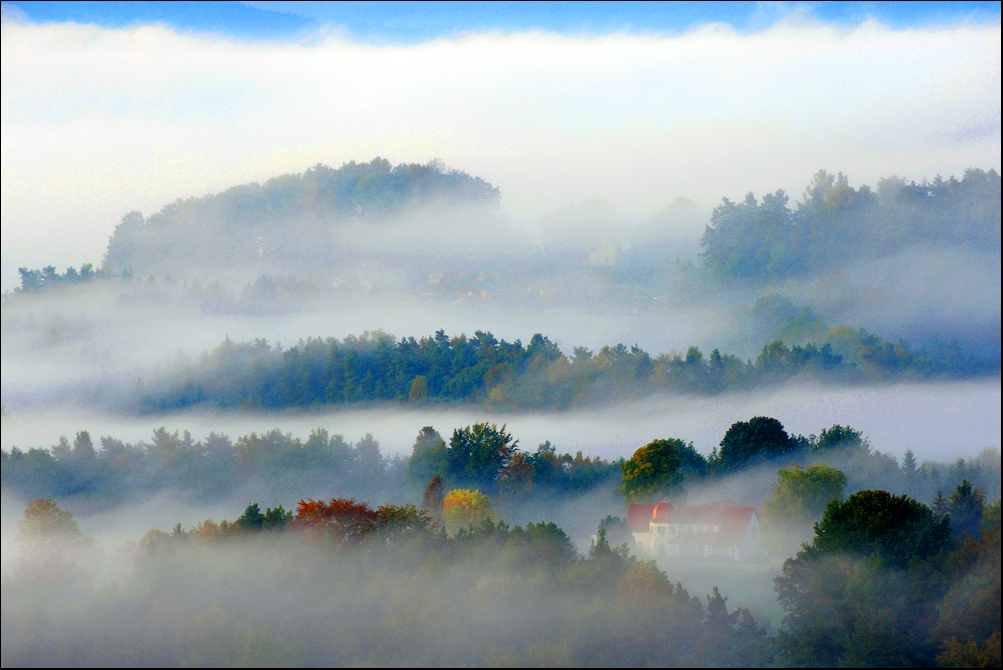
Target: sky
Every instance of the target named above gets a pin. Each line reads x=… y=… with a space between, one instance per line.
x=113 y=107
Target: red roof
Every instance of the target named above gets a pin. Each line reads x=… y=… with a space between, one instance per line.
x=639 y=518
x=732 y=522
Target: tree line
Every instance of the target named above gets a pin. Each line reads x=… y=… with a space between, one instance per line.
x=481 y=369
x=834 y=224
x=276 y=223
x=482 y=456
x=884 y=580
x=280 y=220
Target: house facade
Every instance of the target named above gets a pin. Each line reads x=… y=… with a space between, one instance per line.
x=718 y=532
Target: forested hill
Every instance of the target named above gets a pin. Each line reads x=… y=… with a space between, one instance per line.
x=288 y=219
x=834 y=224
x=538 y=376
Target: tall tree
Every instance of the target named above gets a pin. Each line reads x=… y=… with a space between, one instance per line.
x=477 y=454
x=845 y=592
x=965 y=507
x=433 y=498
x=653 y=471
x=798 y=499
x=754 y=441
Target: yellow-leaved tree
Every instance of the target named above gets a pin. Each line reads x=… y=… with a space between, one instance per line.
x=463 y=508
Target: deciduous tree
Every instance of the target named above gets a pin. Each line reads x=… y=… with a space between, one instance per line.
x=463 y=508
x=653 y=471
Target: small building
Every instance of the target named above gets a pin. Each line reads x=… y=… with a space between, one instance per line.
x=604 y=255
x=713 y=532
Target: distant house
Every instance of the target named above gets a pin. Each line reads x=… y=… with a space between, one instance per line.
x=715 y=532
x=604 y=255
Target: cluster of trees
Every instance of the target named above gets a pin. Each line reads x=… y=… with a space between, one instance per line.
x=286 y=222
x=885 y=580
x=482 y=369
x=883 y=583
x=406 y=593
x=281 y=220
x=835 y=224
x=482 y=457
x=486 y=456
x=266 y=294
x=211 y=469
x=838 y=457
x=35 y=281
x=880 y=579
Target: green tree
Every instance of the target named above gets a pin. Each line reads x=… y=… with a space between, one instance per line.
x=276 y=519
x=965 y=507
x=797 y=500
x=252 y=519
x=939 y=506
x=370 y=466
x=477 y=454
x=846 y=591
x=842 y=440
x=753 y=441
x=869 y=523
x=653 y=471
x=428 y=456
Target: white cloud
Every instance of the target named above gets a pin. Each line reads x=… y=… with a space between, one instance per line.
x=97 y=122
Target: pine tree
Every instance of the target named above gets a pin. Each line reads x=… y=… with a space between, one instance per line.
x=433 y=498
x=940 y=504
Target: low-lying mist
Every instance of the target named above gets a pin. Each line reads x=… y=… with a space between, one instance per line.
x=940 y=421
x=54 y=345
x=282 y=600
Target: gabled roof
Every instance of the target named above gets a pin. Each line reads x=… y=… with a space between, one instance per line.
x=732 y=522
x=639 y=518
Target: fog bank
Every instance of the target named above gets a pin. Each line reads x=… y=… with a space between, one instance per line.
x=637 y=119
x=942 y=421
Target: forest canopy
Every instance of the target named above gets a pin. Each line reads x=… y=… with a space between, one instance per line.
x=284 y=218
x=834 y=224
x=485 y=370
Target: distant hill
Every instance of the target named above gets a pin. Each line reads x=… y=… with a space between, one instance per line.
x=287 y=222
x=834 y=224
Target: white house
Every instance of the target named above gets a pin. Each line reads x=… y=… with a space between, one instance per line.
x=718 y=532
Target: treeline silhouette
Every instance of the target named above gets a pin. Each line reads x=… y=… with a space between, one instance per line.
x=374 y=368
x=834 y=224
x=482 y=456
x=282 y=219
x=285 y=223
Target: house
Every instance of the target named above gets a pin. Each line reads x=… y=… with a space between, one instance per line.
x=604 y=255
x=716 y=532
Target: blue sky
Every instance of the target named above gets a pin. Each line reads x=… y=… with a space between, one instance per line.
x=411 y=22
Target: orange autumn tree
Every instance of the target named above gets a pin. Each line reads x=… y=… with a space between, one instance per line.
x=348 y=522
x=44 y=520
x=342 y=519
x=463 y=508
